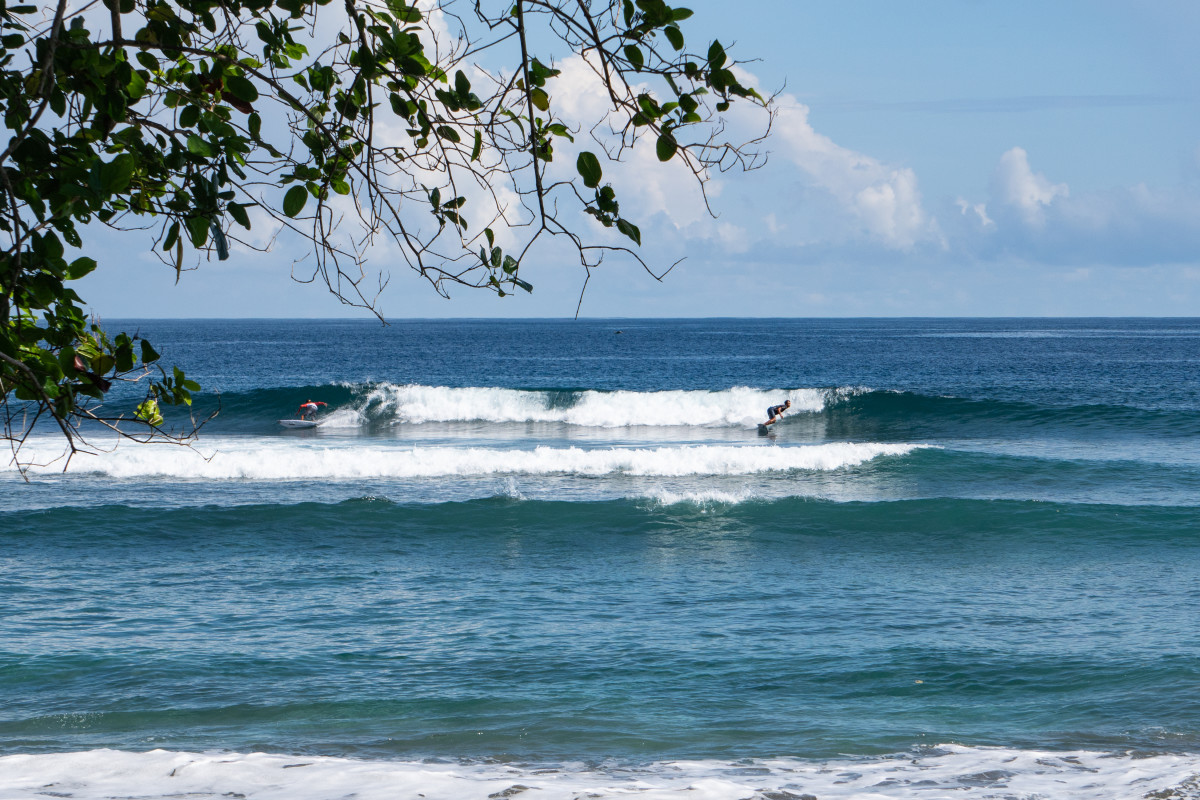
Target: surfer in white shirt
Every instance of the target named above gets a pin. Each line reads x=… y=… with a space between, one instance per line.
x=309 y=409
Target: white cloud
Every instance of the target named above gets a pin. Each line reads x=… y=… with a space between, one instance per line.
x=978 y=209
x=734 y=237
x=1031 y=218
x=882 y=201
x=1016 y=185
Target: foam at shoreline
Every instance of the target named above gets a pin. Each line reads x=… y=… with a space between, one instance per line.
x=970 y=773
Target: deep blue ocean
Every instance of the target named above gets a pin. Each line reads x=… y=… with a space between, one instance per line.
x=557 y=559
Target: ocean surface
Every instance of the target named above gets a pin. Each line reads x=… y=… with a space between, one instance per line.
x=556 y=559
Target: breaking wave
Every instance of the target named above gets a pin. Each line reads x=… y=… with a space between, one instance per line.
x=258 y=459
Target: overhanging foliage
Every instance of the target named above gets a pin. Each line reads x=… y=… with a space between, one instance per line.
x=432 y=126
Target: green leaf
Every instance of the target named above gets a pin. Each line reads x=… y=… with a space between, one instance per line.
x=589 y=169
x=149 y=354
x=137 y=86
x=172 y=235
x=716 y=55
x=148 y=412
x=198 y=230
x=294 y=200
x=116 y=174
x=407 y=14
x=634 y=54
x=558 y=129
x=52 y=247
x=241 y=88
x=238 y=212
x=189 y=117
x=478 y=148
x=80 y=267
x=540 y=99
x=123 y=353
x=666 y=147
x=200 y=147
x=680 y=14
x=629 y=229
x=674 y=36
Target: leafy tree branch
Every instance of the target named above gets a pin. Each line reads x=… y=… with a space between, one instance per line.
x=352 y=126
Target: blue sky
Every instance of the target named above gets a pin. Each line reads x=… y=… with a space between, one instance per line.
x=930 y=159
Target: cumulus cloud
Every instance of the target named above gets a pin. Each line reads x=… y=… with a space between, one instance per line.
x=855 y=196
x=1030 y=217
x=881 y=201
x=1015 y=184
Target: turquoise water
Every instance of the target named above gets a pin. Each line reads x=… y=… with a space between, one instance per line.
x=549 y=548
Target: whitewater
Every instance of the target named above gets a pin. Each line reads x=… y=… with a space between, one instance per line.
x=936 y=772
x=267 y=461
x=416 y=404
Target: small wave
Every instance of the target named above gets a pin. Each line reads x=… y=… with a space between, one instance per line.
x=887 y=414
x=258 y=460
x=970 y=773
x=704 y=498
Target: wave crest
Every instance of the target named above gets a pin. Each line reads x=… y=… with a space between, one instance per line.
x=258 y=460
x=415 y=403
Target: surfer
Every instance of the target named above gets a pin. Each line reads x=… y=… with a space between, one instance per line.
x=309 y=409
x=775 y=412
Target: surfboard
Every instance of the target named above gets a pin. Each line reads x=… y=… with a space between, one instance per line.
x=763 y=430
x=298 y=423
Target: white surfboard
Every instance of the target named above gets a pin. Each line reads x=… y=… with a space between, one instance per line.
x=298 y=423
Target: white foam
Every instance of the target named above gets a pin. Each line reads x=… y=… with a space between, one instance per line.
x=702 y=498
x=269 y=459
x=964 y=773
x=414 y=403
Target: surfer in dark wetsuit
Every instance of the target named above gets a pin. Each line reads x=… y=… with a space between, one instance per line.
x=775 y=412
x=309 y=409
